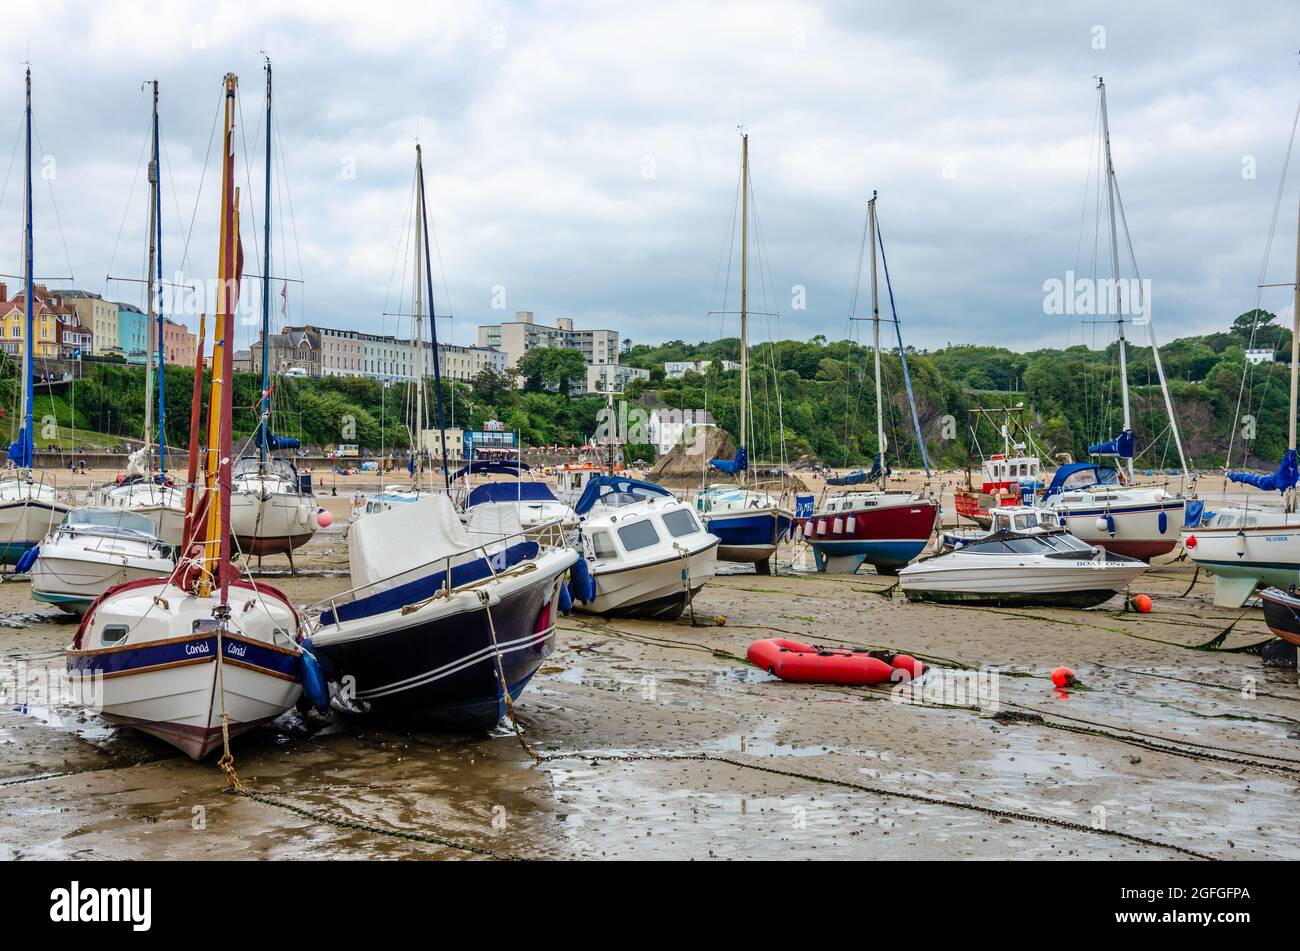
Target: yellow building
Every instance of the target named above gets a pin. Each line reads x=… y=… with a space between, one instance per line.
x=47 y=321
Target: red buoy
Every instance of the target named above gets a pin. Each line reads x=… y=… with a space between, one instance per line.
x=1063 y=677
x=1143 y=603
x=802 y=663
x=908 y=664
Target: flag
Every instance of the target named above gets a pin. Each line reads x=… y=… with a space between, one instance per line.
x=284 y=299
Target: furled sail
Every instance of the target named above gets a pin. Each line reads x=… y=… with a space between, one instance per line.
x=1288 y=473
x=739 y=464
x=1121 y=446
x=20 y=453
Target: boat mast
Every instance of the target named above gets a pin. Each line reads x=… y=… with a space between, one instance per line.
x=26 y=438
x=744 y=293
x=417 y=336
x=875 y=331
x=1114 y=259
x=433 y=326
x=264 y=430
x=157 y=244
x=1295 y=358
x=216 y=553
x=151 y=289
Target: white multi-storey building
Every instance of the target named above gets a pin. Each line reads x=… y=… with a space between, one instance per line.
x=676 y=369
x=600 y=378
x=598 y=347
x=668 y=428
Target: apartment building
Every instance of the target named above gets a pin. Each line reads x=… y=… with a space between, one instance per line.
x=322 y=351
x=58 y=331
x=99 y=315
x=598 y=347
x=676 y=369
x=600 y=379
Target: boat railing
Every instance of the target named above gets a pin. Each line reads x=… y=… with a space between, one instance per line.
x=548 y=535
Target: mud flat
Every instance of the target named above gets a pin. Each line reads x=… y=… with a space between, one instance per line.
x=657 y=740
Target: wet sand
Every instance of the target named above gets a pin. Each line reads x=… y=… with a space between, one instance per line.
x=1164 y=748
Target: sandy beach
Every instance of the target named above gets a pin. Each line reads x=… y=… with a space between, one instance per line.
x=658 y=740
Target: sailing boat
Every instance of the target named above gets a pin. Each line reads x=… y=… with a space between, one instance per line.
x=748 y=522
x=29 y=507
x=445 y=623
x=1095 y=502
x=886 y=529
x=272 y=509
x=174 y=657
x=1243 y=544
x=140 y=491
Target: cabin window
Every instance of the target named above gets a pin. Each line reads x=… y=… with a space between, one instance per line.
x=638 y=535
x=680 y=522
x=113 y=634
x=1024 y=521
x=603 y=545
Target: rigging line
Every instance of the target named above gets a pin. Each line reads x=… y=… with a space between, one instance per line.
x=126 y=210
x=1259 y=290
x=63 y=238
x=203 y=176
x=293 y=220
x=442 y=272
x=18 y=140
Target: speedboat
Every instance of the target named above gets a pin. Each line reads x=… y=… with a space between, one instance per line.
x=749 y=523
x=1010 y=569
x=1025 y=519
x=272 y=508
x=646 y=552
x=440 y=613
x=1141 y=521
x=29 y=510
x=884 y=529
x=534 y=504
x=92 y=550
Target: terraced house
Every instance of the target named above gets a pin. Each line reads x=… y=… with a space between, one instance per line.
x=58 y=331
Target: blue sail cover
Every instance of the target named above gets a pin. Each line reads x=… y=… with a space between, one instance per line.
x=20 y=453
x=273 y=441
x=497 y=466
x=856 y=477
x=510 y=492
x=616 y=485
x=874 y=475
x=1121 y=446
x=1095 y=475
x=732 y=466
x=1286 y=476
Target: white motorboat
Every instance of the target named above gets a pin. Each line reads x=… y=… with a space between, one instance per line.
x=1024 y=519
x=1243 y=545
x=646 y=552
x=1052 y=569
x=92 y=550
x=202 y=655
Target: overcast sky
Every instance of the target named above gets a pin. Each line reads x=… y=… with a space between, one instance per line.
x=582 y=159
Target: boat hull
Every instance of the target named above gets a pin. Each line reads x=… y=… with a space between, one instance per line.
x=24 y=522
x=1138 y=530
x=171 y=685
x=748 y=537
x=1078 y=584
x=1282 y=615
x=654 y=590
x=1242 y=557
x=887 y=538
x=437 y=667
x=271 y=523
x=73 y=583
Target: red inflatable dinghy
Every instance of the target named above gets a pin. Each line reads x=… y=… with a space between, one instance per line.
x=805 y=664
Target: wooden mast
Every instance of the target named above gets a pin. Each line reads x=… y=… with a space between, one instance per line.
x=216 y=553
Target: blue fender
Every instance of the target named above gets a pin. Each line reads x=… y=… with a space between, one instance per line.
x=566 y=600
x=313 y=680
x=1163 y=522
x=27 y=559
x=584 y=585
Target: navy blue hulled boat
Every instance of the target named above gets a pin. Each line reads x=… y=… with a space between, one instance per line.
x=439 y=613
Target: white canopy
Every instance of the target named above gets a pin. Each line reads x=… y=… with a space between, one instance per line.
x=384 y=545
